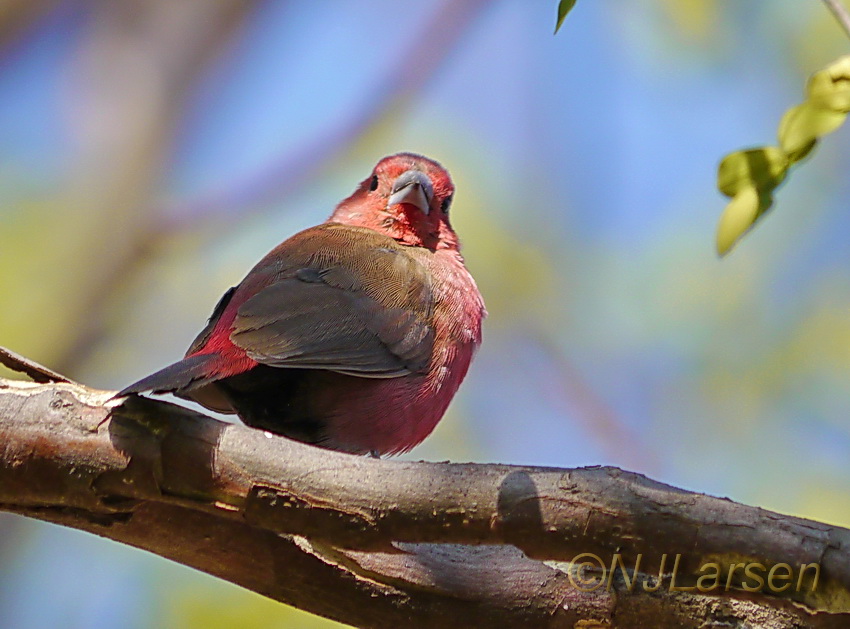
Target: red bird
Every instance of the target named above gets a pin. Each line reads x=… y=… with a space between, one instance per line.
x=353 y=335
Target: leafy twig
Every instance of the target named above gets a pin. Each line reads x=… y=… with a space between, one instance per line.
x=750 y=177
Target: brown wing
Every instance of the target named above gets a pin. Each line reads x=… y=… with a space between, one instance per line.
x=343 y=298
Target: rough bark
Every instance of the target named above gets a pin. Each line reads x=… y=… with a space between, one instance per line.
x=383 y=543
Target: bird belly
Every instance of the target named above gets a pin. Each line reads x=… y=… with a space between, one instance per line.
x=343 y=412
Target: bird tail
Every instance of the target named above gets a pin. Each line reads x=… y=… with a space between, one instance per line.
x=181 y=377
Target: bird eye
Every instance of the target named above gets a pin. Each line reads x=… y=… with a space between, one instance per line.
x=373 y=185
x=446 y=203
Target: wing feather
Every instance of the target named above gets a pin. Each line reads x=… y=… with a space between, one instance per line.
x=344 y=299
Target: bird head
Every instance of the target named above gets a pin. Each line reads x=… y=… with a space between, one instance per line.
x=407 y=197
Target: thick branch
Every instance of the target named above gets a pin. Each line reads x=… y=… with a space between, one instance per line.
x=218 y=496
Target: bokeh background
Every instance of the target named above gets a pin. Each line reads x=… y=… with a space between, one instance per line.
x=152 y=150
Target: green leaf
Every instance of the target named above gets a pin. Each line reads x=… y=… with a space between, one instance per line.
x=761 y=168
x=564 y=7
x=802 y=125
x=830 y=87
x=750 y=177
x=740 y=215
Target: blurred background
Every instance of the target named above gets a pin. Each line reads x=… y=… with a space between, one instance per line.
x=151 y=151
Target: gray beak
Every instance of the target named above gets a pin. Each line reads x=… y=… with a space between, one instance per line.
x=413 y=187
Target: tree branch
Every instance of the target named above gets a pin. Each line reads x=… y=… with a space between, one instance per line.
x=21 y=364
x=381 y=543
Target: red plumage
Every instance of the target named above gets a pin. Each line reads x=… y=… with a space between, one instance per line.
x=352 y=335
